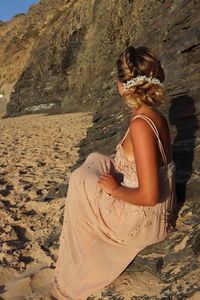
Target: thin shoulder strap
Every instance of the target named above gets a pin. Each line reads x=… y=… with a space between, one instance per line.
x=125 y=134
x=154 y=128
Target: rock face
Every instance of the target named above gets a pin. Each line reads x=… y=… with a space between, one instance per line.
x=18 y=38
x=71 y=67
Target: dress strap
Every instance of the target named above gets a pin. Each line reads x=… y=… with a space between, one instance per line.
x=125 y=134
x=154 y=128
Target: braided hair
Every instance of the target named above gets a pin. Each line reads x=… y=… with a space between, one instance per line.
x=141 y=61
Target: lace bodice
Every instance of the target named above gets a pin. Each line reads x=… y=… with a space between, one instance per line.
x=124 y=166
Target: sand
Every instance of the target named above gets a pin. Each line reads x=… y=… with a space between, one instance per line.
x=36 y=152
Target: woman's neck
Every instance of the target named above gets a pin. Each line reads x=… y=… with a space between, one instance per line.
x=144 y=109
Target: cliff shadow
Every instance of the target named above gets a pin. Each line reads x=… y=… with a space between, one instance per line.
x=182 y=115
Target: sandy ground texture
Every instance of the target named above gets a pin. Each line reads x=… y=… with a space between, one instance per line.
x=36 y=152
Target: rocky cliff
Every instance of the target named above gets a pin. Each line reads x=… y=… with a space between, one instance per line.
x=70 y=66
x=18 y=37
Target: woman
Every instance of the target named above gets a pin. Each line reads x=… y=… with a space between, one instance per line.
x=116 y=207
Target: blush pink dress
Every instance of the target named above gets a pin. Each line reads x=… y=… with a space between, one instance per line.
x=102 y=234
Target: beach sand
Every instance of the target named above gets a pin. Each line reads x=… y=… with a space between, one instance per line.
x=36 y=152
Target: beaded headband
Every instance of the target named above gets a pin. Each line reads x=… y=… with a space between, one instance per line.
x=135 y=80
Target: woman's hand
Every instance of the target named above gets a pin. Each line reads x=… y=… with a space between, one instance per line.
x=108 y=183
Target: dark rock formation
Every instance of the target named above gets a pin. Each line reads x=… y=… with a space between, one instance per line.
x=18 y=37
x=72 y=68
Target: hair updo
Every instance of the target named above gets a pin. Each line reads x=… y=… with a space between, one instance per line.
x=141 y=61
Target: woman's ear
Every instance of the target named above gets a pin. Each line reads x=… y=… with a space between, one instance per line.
x=120 y=87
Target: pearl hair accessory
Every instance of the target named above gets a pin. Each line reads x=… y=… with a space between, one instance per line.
x=135 y=80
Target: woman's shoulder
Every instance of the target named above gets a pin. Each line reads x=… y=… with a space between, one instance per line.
x=153 y=125
x=154 y=118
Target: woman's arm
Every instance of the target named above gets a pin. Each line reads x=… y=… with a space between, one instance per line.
x=144 y=146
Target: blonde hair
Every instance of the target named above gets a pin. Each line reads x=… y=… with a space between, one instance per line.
x=141 y=61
